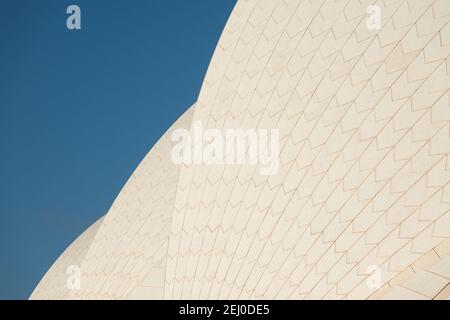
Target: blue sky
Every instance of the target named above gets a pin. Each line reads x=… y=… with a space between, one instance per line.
x=80 y=109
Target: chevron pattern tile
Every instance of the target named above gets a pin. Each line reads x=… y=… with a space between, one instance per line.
x=359 y=208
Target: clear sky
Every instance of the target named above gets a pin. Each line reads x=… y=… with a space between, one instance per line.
x=80 y=109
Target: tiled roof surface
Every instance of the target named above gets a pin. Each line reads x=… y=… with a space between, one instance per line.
x=364 y=171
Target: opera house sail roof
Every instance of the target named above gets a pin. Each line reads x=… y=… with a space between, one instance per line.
x=359 y=205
